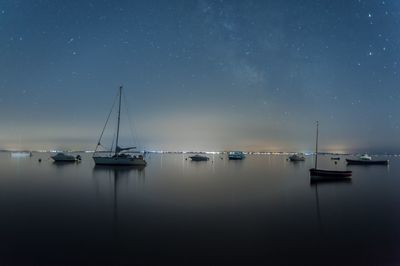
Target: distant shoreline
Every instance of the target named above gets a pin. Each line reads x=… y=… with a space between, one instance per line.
x=207 y=152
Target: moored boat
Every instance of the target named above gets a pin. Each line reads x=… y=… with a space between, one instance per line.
x=62 y=157
x=236 y=155
x=198 y=158
x=118 y=155
x=297 y=157
x=330 y=175
x=18 y=154
x=365 y=159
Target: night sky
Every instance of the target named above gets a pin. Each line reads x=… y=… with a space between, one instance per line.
x=202 y=75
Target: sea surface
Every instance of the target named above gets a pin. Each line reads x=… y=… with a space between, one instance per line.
x=259 y=211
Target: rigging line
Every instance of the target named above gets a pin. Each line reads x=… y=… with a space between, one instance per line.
x=104 y=128
x=112 y=144
x=131 y=125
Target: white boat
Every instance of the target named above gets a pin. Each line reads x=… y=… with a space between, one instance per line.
x=236 y=155
x=117 y=156
x=365 y=157
x=62 y=157
x=19 y=154
x=297 y=157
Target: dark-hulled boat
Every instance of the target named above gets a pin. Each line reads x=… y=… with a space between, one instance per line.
x=199 y=158
x=367 y=162
x=297 y=158
x=365 y=159
x=331 y=175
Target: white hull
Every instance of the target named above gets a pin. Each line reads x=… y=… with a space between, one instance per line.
x=118 y=161
x=21 y=154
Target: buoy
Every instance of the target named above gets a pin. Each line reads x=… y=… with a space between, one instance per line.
x=40 y=160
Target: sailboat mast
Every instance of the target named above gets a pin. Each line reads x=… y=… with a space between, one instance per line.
x=119 y=119
x=316 y=149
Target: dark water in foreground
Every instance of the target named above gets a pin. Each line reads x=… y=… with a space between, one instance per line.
x=262 y=210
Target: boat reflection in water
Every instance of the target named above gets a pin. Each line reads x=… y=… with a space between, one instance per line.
x=314 y=180
x=325 y=181
x=115 y=175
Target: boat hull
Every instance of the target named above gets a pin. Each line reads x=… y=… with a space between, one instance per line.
x=330 y=174
x=199 y=159
x=297 y=159
x=64 y=158
x=119 y=161
x=235 y=157
x=367 y=162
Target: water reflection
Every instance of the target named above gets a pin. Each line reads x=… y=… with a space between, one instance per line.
x=316 y=181
x=116 y=176
x=63 y=164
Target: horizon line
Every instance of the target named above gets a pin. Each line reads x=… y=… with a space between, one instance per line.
x=206 y=152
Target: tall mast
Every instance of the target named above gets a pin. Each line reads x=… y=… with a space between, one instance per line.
x=119 y=119
x=316 y=149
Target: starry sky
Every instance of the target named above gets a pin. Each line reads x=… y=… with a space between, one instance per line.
x=202 y=74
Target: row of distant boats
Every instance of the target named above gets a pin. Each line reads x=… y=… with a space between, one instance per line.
x=233 y=155
x=364 y=159
x=64 y=157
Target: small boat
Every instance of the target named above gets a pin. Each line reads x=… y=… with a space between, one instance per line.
x=117 y=156
x=335 y=158
x=365 y=159
x=297 y=157
x=236 y=155
x=198 y=158
x=19 y=154
x=62 y=157
x=330 y=175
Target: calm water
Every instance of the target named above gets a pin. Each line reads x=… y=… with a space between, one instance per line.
x=262 y=210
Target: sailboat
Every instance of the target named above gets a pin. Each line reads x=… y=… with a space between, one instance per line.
x=117 y=156
x=327 y=174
